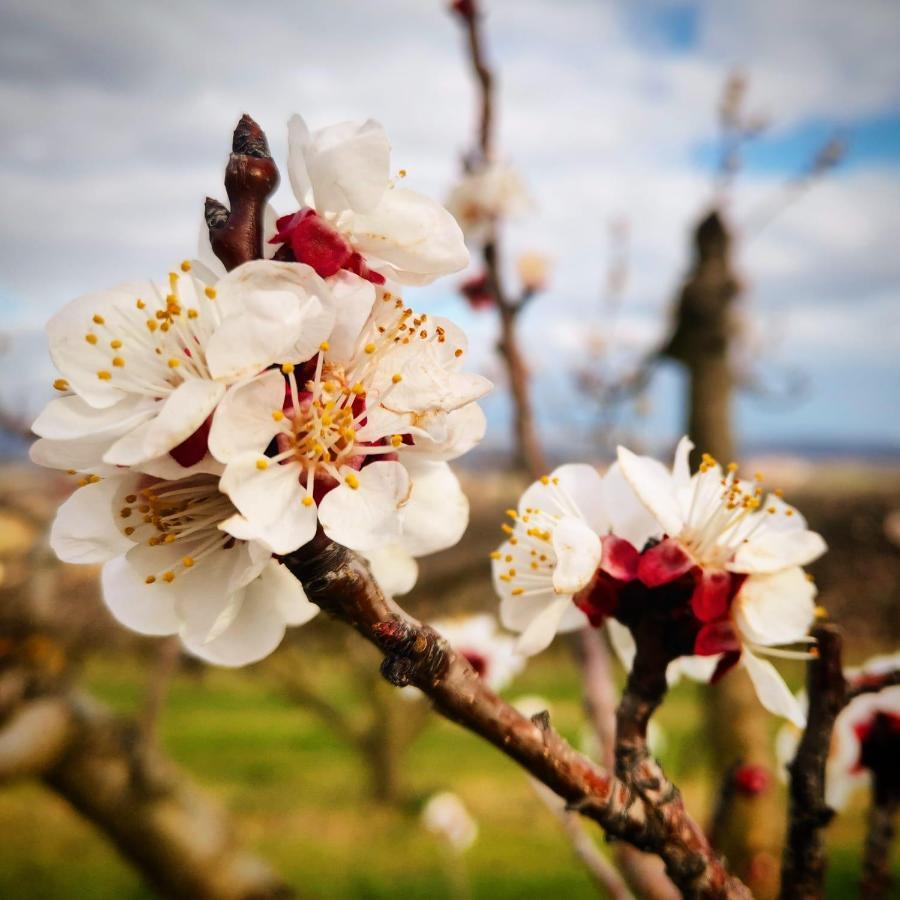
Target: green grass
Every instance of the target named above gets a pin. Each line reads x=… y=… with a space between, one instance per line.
x=301 y=797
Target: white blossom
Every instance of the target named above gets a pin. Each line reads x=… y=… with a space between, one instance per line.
x=491 y=653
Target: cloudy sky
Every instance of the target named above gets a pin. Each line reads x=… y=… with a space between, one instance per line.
x=116 y=118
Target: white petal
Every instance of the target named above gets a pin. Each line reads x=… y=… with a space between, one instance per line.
x=183 y=412
x=681 y=467
x=368 y=516
x=347 y=164
x=243 y=420
x=629 y=518
x=145 y=608
x=70 y=418
x=83 y=455
x=394 y=569
x=84 y=530
x=298 y=139
x=169 y=469
x=578 y=551
x=255 y=630
x=697 y=668
x=271 y=501
x=273 y=312
x=353 y=301
x=445 y=436
x=80 y=361
x=771 y=690
x=775 y=609
x=286 y=593
x=412 y=235
x=622 y=642
x=437 y=512
x=543 y=628
x=655 y=487
x=571 y=490
x=777 y=550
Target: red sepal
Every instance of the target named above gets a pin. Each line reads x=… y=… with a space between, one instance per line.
x=664 y=563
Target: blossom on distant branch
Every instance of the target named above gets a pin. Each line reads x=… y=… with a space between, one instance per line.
x=486 y=194
x=446 y=816
x=490 y=652
x=720 y=554
x=354 y=217
x=865 y=739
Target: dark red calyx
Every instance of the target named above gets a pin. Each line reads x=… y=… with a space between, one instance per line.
x=751 y=780
x=314 y=242
x=192 y=449
x=715 y=638
x=477 y=661
x=620 y=559
x=879 y=739
x=712 y=594
x=663 y=563
x=477 y=291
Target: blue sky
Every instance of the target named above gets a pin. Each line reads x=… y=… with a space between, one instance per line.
x=118 y=116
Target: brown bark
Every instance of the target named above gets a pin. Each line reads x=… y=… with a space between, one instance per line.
x=177 y=837
x=803 y=869
x=341 y=584
x=527 y=454
x=750 y=830
x=876 y=880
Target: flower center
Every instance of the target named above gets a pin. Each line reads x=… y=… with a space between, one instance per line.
x=157 y=344
x=188 y=511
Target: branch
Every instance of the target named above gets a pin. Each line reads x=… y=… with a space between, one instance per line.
x=251 y=177
x=644 y=873
x=871 y=684
x=340 y=583
x=876 y=879
x=180 y=840
x=803 y=865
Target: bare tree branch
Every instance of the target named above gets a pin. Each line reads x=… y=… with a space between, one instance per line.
x=803 y=866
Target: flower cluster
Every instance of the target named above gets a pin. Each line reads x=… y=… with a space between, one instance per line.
x=218 y=420
x=714 y=555
x=865 y=741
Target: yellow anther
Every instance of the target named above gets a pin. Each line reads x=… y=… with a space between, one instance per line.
x=506 y=528
x=277 y=415
x=185 y=266
x=131 y=498
x=458 y=352
x=91 y=338
x=352 y=481
x=358 y=388
x=287 y=368
x=262 y=464
x=369 y=348
x=103 y=375
x=821 y=612
x=307 y=500
x=788 y=512
x=151 y=324
x=174 y=363
x=98 y=319
x=732 y=466
x=509 y=557
x=545 y=479
x=94 y=479
x=82 y=482
x=140 y=303
x=495 y=554
x=517 y=592
x=324 y=346
x=115 y=344
x=512 y=514
x=150 y=579
x=169 y=576
x=402 y=173
x=118 y=362
x=396 y=440
x=778 y=492
x=396 y=378
x=61 y=384
x=129 y=530
x=187 y=561
x=192 y=313
x=210 y=292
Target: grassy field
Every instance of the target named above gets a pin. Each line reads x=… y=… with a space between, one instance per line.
x=302 y=798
